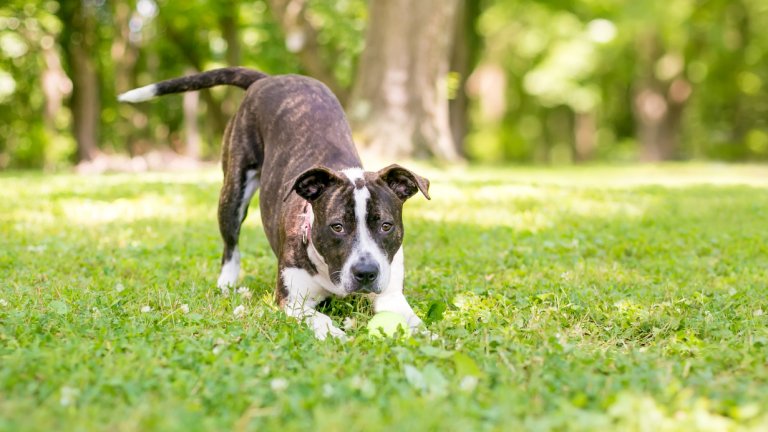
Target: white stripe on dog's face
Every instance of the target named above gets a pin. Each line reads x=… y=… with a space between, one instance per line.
x=364 y=248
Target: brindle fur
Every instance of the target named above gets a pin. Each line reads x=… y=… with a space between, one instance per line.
x=292 y=133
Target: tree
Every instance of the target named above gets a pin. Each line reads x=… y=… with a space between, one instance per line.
x=466 y=46
x=399 y=101
x=659 y=101
x=79 y=34
x=660 y=90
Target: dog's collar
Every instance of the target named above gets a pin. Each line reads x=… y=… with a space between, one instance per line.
x=307 y=218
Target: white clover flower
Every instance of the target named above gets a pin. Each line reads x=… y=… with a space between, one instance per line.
x=119 y=287
x=3 y=303
x=68 y=395
x=218 y=346
x=327 y=390
x=145 y=309
x=758 y=312
x=468 y=383
x=184 y=308
x=349 y=323
x=239 y=311
x=278 y=384
x=245 y=292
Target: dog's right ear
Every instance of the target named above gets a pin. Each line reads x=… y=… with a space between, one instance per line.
x=311 y=184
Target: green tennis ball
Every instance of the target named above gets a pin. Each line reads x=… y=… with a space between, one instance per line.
x=387 y=323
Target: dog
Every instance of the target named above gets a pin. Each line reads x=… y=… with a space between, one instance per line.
x=334 y=228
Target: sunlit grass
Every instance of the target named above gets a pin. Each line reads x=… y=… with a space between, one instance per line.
x=592 y=298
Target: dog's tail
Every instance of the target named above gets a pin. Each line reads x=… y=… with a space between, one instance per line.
x=235 y=76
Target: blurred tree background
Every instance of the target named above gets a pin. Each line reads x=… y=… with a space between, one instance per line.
x=559 y=81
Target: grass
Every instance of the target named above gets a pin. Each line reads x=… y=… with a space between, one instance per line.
x=628 y=298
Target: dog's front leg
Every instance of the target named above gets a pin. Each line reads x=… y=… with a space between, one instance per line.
x=302 y=295
x=392 y=298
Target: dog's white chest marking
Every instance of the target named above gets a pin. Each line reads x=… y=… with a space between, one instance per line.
x=305 y=291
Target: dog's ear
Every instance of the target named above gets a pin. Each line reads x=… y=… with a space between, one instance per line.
x=404 y=183
x=312 y=183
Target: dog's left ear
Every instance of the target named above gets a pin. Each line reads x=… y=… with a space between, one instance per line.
x=404 y=183
x=312 y=183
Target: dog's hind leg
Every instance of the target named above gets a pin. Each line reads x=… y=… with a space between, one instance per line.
x=236 y=193
x=241 y=180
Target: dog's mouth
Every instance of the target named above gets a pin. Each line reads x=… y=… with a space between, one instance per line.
x=365 y=285
x=363 y=289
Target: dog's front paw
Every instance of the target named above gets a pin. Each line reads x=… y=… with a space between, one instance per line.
x=419 y=328
x=323 y=327
x=228 y=276
x=414 y=322
x=225 y=283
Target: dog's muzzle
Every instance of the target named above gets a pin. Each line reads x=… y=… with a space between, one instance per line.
x=365 y=275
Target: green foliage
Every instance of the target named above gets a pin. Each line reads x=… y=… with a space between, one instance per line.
x=560 y=69
x=170 y=39
x=342 y=30
x=562 y=58
x=27 y=29
x=578 y=299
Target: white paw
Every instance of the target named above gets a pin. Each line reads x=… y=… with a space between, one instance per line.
x=226 y=281
x=229 y=272
x=414 y=322
x=323 y=326
x=418 y=328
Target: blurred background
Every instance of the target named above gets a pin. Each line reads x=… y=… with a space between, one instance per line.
x=489 y=81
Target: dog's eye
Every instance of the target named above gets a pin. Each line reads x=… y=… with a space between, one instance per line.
x=386 y=227
x=337 y=228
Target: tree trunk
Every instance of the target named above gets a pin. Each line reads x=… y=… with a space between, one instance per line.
x=80 y=34
x=124 y=52
x=462 y=61
x=658 y=104
x=584 y=140
x=186 y=47
x=229 y=22
x=86 y=106
x=659 y=121
x=55 y=84
x=399 y=103
x=124 y=56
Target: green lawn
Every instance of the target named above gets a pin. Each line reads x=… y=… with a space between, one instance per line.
x=626 y=298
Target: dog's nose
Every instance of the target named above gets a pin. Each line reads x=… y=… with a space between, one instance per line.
x=365 y=273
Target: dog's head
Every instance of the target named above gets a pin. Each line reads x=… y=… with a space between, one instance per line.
x=358 y=228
